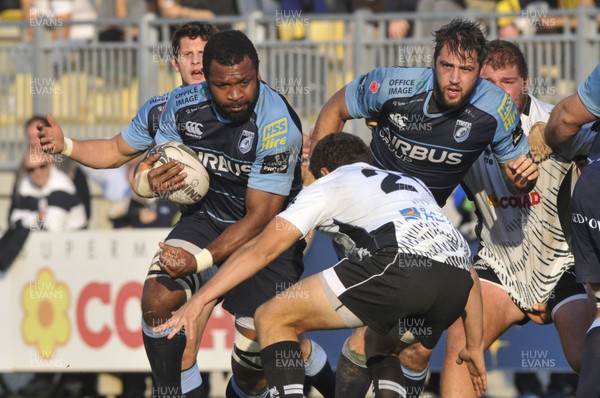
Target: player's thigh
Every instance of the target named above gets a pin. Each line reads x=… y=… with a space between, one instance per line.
x=302 y=307
x=572 y=321
x=499 y=312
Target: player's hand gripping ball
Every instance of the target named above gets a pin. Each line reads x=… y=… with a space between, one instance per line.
x=196 y=181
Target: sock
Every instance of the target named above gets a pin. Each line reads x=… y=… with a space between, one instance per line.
x=164 y=356
x=589 y=383
x=234 y=391
x=284 y=369
x=387 y=376
x=318 y=371
x=414 y=381
x=191 y=383
x=352 y=379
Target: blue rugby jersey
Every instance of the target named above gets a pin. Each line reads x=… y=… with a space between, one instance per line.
x=437 y=148
x=262 y=153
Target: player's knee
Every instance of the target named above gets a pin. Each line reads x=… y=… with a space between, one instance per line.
x=264 y=317
x=415 y=356
x=159 y=300
x=246 y=365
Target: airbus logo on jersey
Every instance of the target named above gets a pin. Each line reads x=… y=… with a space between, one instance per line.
x=246 y=141
x=219 y=163
x=193 y=129
x=274 y=134
x=461 y=130
x=519 y=202
x=405 y=149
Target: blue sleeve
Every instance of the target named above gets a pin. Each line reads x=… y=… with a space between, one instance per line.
x=589 y=92
x=366 y=94
x=279 y=146
x=509 y=140
x=137 y=134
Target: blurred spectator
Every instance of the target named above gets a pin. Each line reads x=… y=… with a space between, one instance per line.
x=10 y=5
x=509 y=27
x=184 y=9
x=50 y=14
x=400 y=28
x=424 y=27
x=120 y=9
x=46 y=199
x=64 y=164
x=266 y=7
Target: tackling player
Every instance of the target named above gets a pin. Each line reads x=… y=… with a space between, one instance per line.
x=566 y=121
x=402 y=257
x=431 y=123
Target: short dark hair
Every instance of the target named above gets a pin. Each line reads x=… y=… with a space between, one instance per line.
x=338 y=149
x=502 y=53
x=37 y=118
x=462 y=38
x=228 y=47
x=193 y=30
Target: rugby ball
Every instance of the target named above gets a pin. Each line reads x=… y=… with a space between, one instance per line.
x=196 y=181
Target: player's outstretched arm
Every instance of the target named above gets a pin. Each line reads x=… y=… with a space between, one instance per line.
x=566 y=119
x=521 y=174
x=278 y=236
x=261 y=207
x=332 y=117
x=98 y=154
x=472 y=354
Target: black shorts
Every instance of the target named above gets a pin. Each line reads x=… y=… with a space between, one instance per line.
x=244 y=299
x=394 y=290
x=566 y=288
x=586 y=226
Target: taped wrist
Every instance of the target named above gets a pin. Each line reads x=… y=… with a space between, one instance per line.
x=68 y=146
x=141 y=184
x=204 y=260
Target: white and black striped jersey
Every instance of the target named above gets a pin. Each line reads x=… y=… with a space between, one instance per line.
x=521 y=236
x=63 y=208
x=364 y=209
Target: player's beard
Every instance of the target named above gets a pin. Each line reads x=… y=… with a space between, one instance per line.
x=237 y=116
x=440 y=96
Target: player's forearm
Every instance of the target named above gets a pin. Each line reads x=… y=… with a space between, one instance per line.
x=240 y=266
x=253 y=256
x=99 y=154
x=566 y=120
x=473 y=315
x=235 y=237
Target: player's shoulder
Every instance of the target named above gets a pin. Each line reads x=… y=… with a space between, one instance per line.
x=154 y=102
x=188 y=95
x=537 y=111
x=268 y=96
x=494 y=101
x=272 y=107
x=413 y=80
